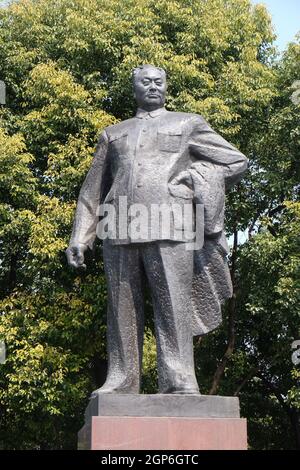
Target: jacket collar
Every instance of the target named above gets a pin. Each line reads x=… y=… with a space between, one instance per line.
x=142 y=114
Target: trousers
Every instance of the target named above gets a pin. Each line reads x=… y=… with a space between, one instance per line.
x=168 y=268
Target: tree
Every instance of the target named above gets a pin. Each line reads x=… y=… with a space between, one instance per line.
x=270 y=264
x=67 y=71
x=266 y=313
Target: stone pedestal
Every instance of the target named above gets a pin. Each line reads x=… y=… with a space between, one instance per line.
x=163 y=422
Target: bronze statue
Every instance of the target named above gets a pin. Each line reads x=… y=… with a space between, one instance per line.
x=158 y=158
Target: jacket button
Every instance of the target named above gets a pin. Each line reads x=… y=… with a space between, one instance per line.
x=139 y=164
x=139 y=185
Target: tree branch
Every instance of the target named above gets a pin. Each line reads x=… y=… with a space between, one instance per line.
x=251 y=374
x=277 y=209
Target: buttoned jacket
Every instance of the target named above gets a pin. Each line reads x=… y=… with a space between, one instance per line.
x=141 y=157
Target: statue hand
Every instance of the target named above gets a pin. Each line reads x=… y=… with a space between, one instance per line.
x=184 y=177
x=207 y=171
x=75 y=255
x=182 y=185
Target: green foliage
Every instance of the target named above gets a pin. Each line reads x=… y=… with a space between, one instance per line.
x=149 y=379
x=269 y=320
x=267 y=285
x=67 y=68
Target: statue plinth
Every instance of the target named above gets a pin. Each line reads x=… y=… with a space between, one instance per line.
x=163 y=422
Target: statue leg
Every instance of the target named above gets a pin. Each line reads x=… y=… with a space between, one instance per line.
x=125 y=318
x=169 y=269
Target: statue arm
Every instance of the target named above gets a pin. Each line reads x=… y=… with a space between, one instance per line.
x=85 y=221
x=207 y=145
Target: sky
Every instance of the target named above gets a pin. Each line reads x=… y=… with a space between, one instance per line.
x=286 y=19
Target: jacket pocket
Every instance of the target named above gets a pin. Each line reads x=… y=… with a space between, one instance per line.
x=119 y=143
x=169 y=141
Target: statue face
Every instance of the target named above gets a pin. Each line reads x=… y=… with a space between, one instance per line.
x=150 y=88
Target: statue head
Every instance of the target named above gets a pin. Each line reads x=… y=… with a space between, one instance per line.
x=150 y=86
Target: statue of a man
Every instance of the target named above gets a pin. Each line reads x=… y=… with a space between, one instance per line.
x=158 y=158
